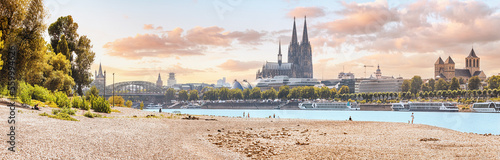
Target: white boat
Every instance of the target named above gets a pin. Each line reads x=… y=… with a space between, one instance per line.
x=153 y=106
x=426 y=106
x=342 y=106
x=191 y=106
x=491 y=107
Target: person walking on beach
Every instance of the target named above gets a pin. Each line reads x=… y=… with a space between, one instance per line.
x=243 y=114
x=412 y=117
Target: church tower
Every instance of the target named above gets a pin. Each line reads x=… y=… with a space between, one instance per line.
x=159 y=82
x=439 y=68
x=305 y=55
x=294 y=51
x=449 y=68
x=472 y=62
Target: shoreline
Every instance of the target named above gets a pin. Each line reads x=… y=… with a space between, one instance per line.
x=168 y=136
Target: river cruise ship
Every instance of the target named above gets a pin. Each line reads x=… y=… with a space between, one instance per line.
x=491 y=107
x=426 y=106
x=342 y=106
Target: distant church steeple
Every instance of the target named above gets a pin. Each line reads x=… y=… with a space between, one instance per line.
x=159 y=82
x=280 y=57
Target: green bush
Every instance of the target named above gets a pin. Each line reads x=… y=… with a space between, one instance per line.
x=85 y=105
x=42 y=94
x=118 y=101
x=4 y=91
x=64 y=110
x=43 y=114
x=76 y=102
x=91 y=115
x=63 y=116
x=24 y=92
x=98 y=104
x=129 y=103
x=62 y=100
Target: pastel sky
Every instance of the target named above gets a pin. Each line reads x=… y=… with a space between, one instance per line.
x=205 y=40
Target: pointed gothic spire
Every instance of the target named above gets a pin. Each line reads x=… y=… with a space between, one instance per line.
x=159 y=77
x=100 y=71
x=439 y=61
x=279 y=54
x=305 y=38
x=472 y=54
x=294 y=33
x=449 y=60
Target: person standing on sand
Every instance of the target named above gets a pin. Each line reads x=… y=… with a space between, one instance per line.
x=248 y=115
x=243 y=114
x=412 y=117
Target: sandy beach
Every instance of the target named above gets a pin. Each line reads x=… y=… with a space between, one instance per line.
x=168 y=136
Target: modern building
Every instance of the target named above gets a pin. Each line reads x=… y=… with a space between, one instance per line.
x=171 y=79
x=243 y=85
x=159 y=82
x=446 y=69
x=222 y=83
x=349 y=83
x=99 y=80
x=299 y=59
x=343 y=75
x=380 y=85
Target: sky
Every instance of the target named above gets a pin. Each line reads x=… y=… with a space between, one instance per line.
x=205 y=40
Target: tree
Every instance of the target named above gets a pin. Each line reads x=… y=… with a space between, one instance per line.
x=295 y=93
x=455 y=85
x=324 y=92
x=474 y=83
x=62 y=47
x=416 y=84
x=183 y=95
x=343 y=90
x=83 y=61
x=269 y=94
x=283 y=92
x=223 y=93
x=22 y=30
x=1 y=47
x=432 y=83
x=141 y=105
x=59 y=78
x=441 y=85
x=493 y=82
x=170 y=94
x=64 y=26
x=128 y=103
x=116 y=101
x=236 y=94
x=246 y=93
x=93 y=92
x=255 y=93
x=193 y=95
x=406 y=86
x=426 y=87
x=333 y=92
x=461 y=80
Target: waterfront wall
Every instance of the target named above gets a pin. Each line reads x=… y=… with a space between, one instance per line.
x=375 y=107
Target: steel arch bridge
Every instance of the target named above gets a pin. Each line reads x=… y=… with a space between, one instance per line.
x=134 y=88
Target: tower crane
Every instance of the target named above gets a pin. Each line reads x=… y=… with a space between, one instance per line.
x=365 y=68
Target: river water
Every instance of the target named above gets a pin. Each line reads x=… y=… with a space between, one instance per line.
x=461 y=121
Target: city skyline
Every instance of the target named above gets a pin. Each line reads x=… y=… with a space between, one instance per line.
x=203 y=41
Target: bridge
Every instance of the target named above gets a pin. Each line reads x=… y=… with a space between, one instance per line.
x=136 y=91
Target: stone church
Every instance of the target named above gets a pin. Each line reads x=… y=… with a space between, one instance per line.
x=446 y=69
x=299 y=59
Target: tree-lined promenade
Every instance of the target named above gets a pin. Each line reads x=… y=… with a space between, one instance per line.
x=414 y=89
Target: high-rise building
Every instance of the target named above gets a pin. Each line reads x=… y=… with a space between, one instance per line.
x=299 y=59
x=171 y=79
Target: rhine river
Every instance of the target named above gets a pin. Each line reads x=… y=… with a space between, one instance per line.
x=460 y=121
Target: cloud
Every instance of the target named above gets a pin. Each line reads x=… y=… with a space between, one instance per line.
x=361 y=18
x=177 y=43
x=235 y=65
x=307 y=11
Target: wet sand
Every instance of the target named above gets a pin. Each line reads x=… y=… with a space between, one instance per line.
x=123 y=136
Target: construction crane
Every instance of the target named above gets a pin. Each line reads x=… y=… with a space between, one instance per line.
x=365 y=68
